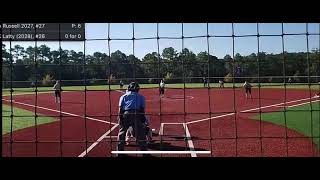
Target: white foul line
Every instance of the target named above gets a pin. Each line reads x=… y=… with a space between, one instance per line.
x=160 y=152
x=289 y=102
x=215 y=117
x=101 y=138
x=98 y=141
x=172 y=123
x=111 y=137
x=303 y=103
x=190 y=143
x=120 y=91
x=48 y=109
x=95 y=143
x=248 y=110
x=283 y=106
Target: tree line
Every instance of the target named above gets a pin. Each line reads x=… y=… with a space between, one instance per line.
x=43 y=65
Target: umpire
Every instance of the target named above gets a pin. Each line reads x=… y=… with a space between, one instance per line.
x=131 y=113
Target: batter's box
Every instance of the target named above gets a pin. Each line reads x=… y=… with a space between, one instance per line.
x=172 y=131
x=178 y=133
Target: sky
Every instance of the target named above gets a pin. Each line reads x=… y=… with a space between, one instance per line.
x=97 y=33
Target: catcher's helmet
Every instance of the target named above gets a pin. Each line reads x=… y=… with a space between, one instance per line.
x=134 y=87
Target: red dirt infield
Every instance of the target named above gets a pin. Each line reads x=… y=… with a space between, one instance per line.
x=223 y=132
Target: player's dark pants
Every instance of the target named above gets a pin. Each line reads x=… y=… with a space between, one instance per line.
x=161 y=91
x=139 y=130
x=248 y=90
x=57 y=93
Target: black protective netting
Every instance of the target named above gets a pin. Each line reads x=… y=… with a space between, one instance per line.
x=195 y=117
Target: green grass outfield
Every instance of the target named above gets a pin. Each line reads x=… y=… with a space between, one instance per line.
x=20 y=122
x=20 y=91
x=298 y=118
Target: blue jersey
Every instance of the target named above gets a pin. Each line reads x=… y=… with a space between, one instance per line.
x=131 y=101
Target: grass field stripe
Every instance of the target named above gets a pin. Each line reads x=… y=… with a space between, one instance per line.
x=303 y=103
x=48 y=109
x=160 y=152
x=248 y=110
x=190 y=143
x=98 y=141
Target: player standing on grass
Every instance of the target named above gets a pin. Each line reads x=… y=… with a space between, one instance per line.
x=57 y=91
x=205 y=82
x=161 y=87
x=247 y=86
x=121 y=84
x=33 y=85
x=221 y=83
x=131 y=113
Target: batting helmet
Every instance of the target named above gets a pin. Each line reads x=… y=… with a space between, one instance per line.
x=134 y=87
